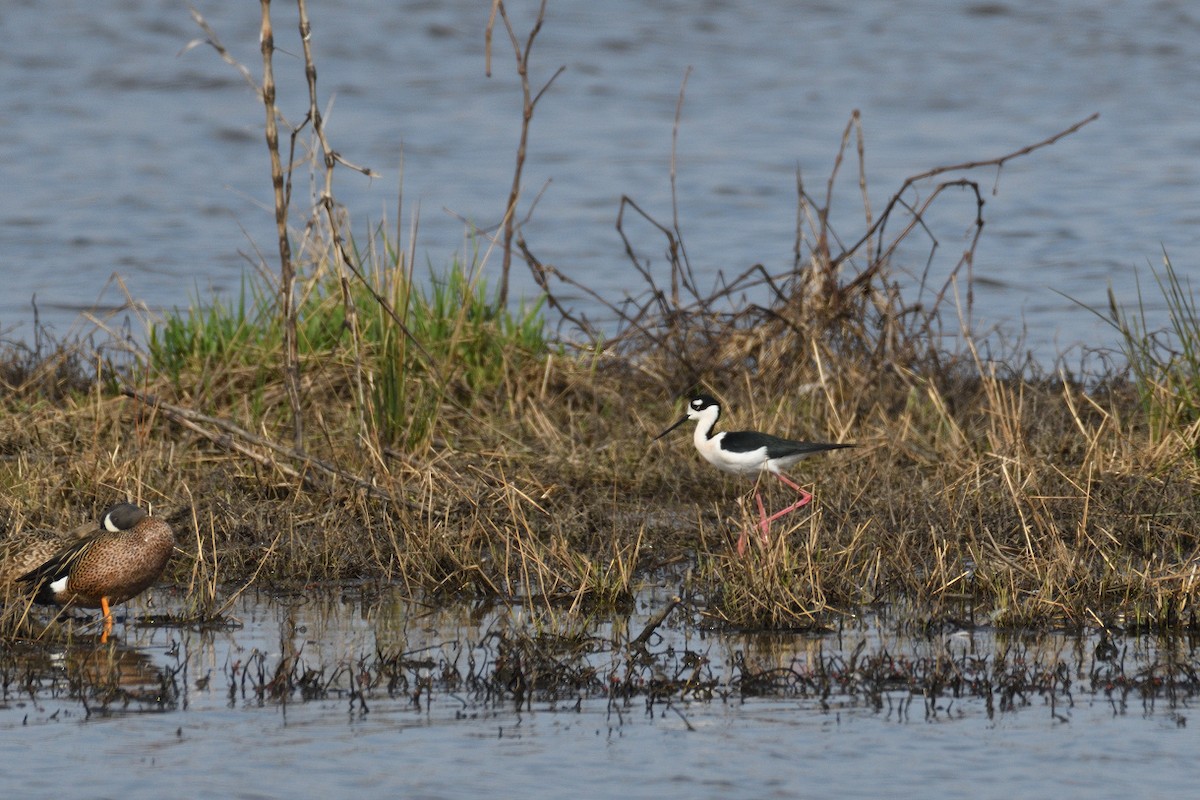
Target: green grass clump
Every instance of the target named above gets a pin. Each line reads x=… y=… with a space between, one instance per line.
x=412 y=344
x=458 y=338
x=214 y=336
x=1165 y=364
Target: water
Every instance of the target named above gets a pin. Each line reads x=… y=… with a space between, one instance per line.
x=132 y=165
x=223 y=740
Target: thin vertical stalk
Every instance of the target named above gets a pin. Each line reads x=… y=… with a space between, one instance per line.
x=287 y=270
x=350 y=309
x=681 y=268
x=330 y=158
x=530 y=101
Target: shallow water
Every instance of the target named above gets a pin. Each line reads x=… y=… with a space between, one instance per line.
x=223 y=740
x=123 y=154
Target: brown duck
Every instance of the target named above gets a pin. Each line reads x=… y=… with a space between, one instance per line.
x=29 y=549
x=107 y=567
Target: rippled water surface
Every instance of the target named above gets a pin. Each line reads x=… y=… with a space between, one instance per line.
x=130 y=163
x=1082 y=736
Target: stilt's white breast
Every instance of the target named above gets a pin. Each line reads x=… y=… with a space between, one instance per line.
x=739 y=463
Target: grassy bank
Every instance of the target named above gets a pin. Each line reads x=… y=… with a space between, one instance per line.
x=347 y=418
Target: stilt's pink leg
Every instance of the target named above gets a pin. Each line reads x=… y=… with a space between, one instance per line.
x=791 y=483
x=764 y=522
x=764 y=525
x=801 y=503
x=805 y=499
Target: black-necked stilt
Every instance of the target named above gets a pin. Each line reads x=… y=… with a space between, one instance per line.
x=748 y=453
x=110 y=566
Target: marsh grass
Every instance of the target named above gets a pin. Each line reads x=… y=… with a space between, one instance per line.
x=1165 y=363
x=1030 y=500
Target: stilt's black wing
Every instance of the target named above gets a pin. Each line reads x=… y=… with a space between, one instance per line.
x=749 y=441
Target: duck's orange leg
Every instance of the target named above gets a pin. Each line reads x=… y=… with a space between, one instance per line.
x=108 y=622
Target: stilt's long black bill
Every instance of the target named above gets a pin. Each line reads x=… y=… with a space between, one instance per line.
x=673 y=427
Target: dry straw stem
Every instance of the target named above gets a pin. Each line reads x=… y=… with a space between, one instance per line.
x=287 y=270
x=232 y=437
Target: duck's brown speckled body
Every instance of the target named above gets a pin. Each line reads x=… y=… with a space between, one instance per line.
x=27 y=550
x=107 y=567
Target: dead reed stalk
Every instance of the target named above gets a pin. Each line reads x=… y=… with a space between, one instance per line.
x=287 y=270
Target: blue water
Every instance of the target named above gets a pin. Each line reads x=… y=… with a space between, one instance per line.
x=457 y=745
x=135 y=174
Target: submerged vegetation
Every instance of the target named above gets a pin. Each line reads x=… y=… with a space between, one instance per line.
x=510 y=658
x=353 y=420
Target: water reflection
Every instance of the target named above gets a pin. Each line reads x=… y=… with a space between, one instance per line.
x=85 y=677
x=354 y=684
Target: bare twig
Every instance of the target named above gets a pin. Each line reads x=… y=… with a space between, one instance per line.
x=326 y=201
x=696 y=334
x=540 y=273
x=528 y=107
x=215 y=43
x=652 y=624
x=679 y=259
x=998 y=162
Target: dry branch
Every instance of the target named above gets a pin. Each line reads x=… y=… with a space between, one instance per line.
x=652 y=624
x=235 y=438
x=530 y=101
